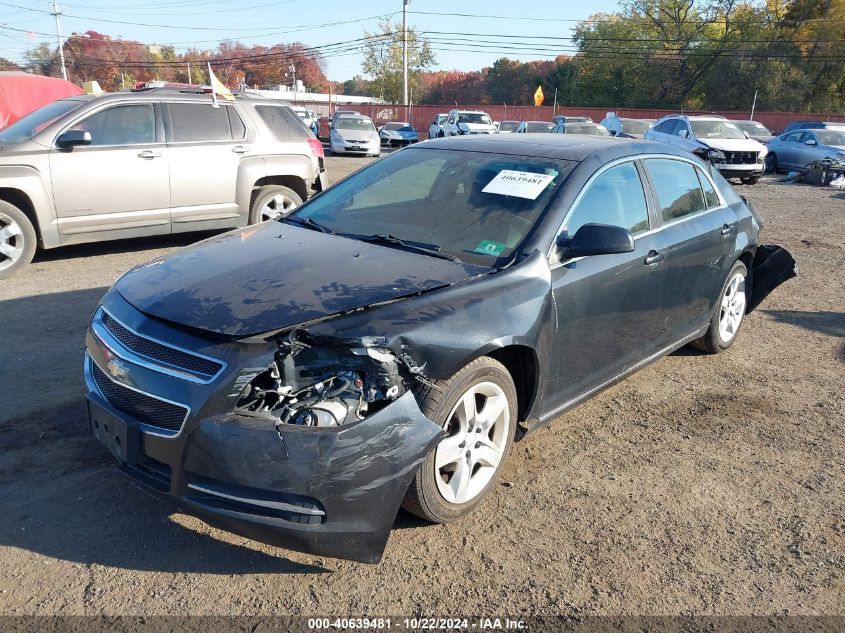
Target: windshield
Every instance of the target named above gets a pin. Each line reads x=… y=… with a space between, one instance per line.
x=346 y=123
x=473 y=117
x=399 y=127
x=30 y=125
x=633 y=126
x=538 y=126
x=831 y=137
x=473 y=205
x=508 y=126
x=575 y=128
x=753 y=128
x=715 y=129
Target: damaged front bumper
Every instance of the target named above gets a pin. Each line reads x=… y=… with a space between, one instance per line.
x=772 y=266
x=332 y=491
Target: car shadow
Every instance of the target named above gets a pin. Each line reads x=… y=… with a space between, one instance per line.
x=825 y=322
x=61 y=495
x=117 y=247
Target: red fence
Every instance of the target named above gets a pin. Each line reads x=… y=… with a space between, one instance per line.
x=422 y=116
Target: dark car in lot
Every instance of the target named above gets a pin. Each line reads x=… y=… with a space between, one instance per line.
x=385 y=343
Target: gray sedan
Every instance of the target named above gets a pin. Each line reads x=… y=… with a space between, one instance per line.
x=797 y=149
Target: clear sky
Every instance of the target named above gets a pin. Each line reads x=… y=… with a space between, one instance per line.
x=203 y=23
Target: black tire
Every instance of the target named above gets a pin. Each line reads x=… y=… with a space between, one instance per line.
x=441 y=134
x=750 y=180
x=17 y=233
x=423 y=497
x=712 y=342
x=771 y=162
x=265 y=195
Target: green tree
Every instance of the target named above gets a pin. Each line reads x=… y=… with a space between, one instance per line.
x=383 y=60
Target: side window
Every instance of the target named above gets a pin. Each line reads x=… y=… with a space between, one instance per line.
x=199 y=122
x=283 y=123
x=667 y=126
x=808 y=136
x=676 y=184
x=616 y=197
x=792 y=137
x=711 y=198
x=121 y=125
x=236 y=124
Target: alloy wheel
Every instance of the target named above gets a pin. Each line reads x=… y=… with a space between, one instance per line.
x=732 y=309
x=276 y=207
x=11 y=241
x=478 y=428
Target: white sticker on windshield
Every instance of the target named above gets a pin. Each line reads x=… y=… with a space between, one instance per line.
x=522 y=184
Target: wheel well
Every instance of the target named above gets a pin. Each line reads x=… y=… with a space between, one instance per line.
x=22 y=202
x=521 y=363
x=291 y=182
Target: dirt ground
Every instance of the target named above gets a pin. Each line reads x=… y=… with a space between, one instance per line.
x=705 y=485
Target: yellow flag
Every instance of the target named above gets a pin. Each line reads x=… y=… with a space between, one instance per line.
x=218 y=88
x=539 y=96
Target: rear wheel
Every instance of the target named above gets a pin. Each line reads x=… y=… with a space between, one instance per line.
x=729 y=313
x=273 y=202
x=17 y=240
x=477 y=409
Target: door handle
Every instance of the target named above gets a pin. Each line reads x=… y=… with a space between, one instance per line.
x=727 y=229
x=148 y=154
x=240 y=149
x=654 y=257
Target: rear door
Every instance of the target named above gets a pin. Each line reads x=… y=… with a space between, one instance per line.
x=119 y=183
x=699 y=231
x=788 y=152
x=606 y=308
x=206 y=145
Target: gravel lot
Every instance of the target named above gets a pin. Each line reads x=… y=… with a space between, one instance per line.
x=710 y=485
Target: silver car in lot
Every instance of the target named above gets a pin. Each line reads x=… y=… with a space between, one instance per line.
x=395 y=134
x=160 y=161
x=797 y=149
x=355 y=134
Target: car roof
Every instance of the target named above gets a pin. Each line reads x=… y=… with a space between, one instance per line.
x=561 y=146
x=697 y=117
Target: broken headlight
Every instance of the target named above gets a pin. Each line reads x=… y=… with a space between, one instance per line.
x=323 y=382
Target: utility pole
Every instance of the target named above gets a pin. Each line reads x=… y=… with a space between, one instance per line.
x=405 y=4
x=56 y=14
x=190 y=79
x=292 y=71
x=753 y=105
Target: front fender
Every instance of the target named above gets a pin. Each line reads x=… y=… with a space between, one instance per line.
x=34 y=184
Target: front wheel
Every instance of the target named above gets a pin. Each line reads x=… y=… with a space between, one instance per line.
x=771 y=162
x=477 y=409
x=273 y=202
x=750 y=180
x=17 y=240
x=729 y=313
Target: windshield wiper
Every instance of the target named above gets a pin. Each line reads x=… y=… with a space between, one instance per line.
x=308 y=223
x=423 y=248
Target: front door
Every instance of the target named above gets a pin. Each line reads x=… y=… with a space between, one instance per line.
x=119 y=183
x=606 y=307
x=206 y=145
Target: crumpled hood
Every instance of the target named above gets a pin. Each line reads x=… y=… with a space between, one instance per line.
x=272 y=275
x=734 y=144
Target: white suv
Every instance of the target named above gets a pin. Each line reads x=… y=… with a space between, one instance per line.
x=468 y=122
x=714 y=139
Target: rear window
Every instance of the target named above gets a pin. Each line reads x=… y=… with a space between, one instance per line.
x=191 y=122
x=283 y=123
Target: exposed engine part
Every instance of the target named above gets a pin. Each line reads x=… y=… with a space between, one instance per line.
x=326 y=382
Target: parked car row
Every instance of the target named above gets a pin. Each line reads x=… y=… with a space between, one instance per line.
x=158 y=161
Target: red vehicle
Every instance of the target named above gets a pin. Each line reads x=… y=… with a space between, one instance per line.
x=22 y=93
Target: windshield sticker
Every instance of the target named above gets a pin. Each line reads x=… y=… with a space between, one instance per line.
x=522 y=184
x=489 y=247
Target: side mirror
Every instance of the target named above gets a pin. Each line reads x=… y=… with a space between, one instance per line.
x=72 y=138
x=596 y=239
x=745 y=134
x=810 y=141
x=683 y=134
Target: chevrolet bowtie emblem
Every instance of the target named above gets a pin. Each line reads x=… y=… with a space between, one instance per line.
x=117 y=369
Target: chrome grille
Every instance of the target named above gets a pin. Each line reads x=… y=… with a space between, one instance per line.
x=158 y=351
x=144 y=408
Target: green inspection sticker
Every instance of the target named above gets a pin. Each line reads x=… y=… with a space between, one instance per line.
x=488 y=247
